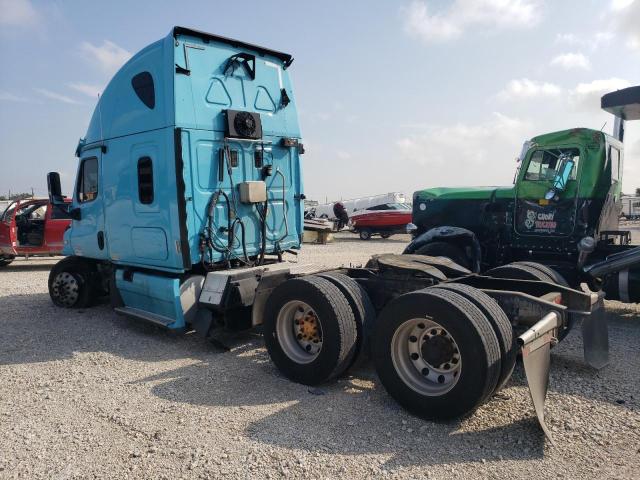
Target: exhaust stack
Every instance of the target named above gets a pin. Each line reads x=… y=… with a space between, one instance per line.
x=624 y=105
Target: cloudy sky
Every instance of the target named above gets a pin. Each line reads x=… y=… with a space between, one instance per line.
x=393 y=96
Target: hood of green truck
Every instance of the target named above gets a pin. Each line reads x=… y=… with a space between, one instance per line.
x=463 y=193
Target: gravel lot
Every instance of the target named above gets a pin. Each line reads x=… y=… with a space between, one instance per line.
x=88 y=394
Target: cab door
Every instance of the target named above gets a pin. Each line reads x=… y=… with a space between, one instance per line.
x=87 y=238
x=56 y=222
x=538 y=211
x=8 y=235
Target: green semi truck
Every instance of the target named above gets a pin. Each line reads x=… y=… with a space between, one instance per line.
x=561 y=212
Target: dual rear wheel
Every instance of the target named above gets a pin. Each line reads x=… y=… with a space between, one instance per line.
x=440 y=352
x=314 y=326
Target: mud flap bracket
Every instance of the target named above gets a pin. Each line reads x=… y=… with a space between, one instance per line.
x=535 y=345
x=595 y=334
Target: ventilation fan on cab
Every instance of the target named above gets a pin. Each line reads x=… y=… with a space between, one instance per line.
x=243 y=125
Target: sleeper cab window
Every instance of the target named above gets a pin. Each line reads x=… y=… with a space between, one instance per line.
x=145 y=180
x=88 y=180
x=142 y=84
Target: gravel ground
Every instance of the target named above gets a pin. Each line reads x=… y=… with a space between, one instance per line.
x=88 y=394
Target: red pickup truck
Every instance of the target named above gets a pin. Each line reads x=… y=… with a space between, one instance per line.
x=32 y=227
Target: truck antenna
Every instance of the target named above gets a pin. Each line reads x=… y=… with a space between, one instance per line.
x=603 y=125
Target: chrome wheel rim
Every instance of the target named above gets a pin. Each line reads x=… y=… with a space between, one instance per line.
x=299 y=332
x=65 y=289
x=426 y=357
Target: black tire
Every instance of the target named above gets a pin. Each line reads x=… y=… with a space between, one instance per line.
x=474 y=338
x=534 y=271
x=518 y=271
x=550 y=272
x=499 y=321
x=4 y=261
x=72 y=283
x=386 y=235
x=363 y=310
x=445 y=249
x=365 y=234
x=339 y=330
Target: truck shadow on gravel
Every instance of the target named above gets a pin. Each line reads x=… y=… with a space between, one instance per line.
x=351 y=416
x=27 y=267
x=374 y=239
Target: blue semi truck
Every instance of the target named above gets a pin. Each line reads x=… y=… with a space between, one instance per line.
x=188 y=194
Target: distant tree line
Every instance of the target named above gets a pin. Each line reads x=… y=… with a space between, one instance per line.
x=16 y=196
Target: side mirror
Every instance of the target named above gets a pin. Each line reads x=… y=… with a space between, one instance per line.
x=55 y=190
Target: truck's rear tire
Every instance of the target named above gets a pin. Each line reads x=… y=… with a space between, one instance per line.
x=518 y=271
x=533 y=271
x=436 y=353
x=71 y=283
x=445 y=249
x=550 y=272
x=363 y=311
x=309 y=330
x=499 y=321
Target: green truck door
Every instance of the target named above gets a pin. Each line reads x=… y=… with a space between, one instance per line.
x=534 y=213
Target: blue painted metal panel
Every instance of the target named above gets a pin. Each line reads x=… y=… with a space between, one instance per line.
x=82 y=239
x=194 y=104
x=156 y=294
x=155 y=245
x=201 y=99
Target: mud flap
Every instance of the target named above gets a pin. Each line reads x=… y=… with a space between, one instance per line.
x=595 y=334
x=535 y=345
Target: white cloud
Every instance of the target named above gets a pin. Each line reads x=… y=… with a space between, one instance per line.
x=525 y=88
x=419 y=23
x=465 y=145
x=592 y=42
x=109 y=57
x=89 y=90
x=343 y=155
x=586 y=96
x=620 y=4
x=10 y=97
x=56 y=96
x=569 y=38
x=571 y=60
x=627 y=19
x=19 y=13
x=451 y=22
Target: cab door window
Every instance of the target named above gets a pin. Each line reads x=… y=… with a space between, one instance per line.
x=544 y=164
x=87 y=189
